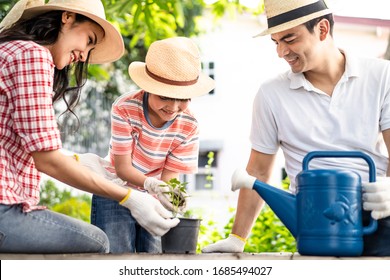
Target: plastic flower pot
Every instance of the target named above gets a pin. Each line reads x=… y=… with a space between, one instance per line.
x=183 y=238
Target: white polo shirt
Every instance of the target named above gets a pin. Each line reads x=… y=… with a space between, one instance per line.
x=289 y=112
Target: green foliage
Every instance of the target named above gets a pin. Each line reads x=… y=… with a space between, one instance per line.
x=208 y=233
x=76 y=207
x=142 y=22
x=63 y=201
x=209 y=174
x=51 y=195
x=5 y=5
x=270 y=235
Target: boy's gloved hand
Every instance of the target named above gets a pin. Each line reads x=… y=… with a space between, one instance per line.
x=149 y=212
x=376 y=197
x=160 y=189
x=232 y=244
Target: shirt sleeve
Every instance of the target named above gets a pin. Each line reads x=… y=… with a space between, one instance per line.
x=384 y=120
x=121 y=132
x=264 y=134
x=31 y=100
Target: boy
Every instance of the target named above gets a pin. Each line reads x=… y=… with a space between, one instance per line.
x=154 y=137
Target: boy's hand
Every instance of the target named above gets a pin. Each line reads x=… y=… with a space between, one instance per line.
x=160 y=189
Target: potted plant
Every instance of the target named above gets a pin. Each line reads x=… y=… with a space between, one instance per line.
x=183 y=238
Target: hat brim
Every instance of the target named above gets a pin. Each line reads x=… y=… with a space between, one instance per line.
x=110 y=49
x=293 y=23
x=137 y=72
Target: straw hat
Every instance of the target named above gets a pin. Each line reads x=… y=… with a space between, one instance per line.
x=172 y=69
x=283 y=15
x=111 y=48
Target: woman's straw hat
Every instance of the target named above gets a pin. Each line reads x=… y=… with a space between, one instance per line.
x=172 y=69
x=283 y=15
x=111 y=48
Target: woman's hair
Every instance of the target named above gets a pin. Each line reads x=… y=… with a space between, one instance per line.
x=44 y=30
x=310 y=24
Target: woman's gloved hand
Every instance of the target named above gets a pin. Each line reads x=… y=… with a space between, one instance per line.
x=376 y=197
x=232 y=244
x=149 y=212
x=100 y=166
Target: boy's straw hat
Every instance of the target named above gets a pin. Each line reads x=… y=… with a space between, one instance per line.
x=283 y=15
x=111 y=48
x=172 y=69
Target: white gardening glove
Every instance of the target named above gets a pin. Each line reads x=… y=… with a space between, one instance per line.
x=232 y=244
x=376 y=197
x=100 y=166
x=149 y=212
x=160 y=189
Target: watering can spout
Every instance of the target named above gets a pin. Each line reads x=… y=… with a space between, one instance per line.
x=281 y=202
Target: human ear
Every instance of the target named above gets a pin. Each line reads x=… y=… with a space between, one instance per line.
x=323 y=27
x=68 y=17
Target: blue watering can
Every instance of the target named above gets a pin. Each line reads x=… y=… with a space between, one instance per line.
x=325 y=215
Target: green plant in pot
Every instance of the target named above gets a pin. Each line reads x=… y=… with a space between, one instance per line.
x=183 y=238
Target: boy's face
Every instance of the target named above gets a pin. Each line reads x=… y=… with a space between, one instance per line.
x=163 y=109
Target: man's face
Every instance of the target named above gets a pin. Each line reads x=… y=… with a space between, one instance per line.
x=298 y=47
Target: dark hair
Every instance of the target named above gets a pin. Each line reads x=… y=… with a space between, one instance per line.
x=44 y=30
x=310 y=24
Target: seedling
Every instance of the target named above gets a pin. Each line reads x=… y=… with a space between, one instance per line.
x=177 y=193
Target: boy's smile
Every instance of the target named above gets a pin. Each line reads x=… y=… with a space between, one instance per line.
x=163 y=109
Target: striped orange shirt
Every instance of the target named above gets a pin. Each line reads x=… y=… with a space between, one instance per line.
x=174 y=146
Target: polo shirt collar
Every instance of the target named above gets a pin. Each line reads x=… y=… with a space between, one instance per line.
x=298 y=80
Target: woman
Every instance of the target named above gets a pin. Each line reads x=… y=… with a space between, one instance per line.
x=39 y=45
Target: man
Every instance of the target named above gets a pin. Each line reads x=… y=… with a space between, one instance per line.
x=328 y=101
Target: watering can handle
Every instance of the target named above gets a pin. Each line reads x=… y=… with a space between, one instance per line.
x=354 y=154
x=350 y=154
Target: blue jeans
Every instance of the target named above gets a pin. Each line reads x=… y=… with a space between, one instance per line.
x=378 y=243
x=123 y=231
x=45 y=231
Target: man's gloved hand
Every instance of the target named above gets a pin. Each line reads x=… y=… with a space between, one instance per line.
x=160 y=189
x=100 y=166
x=232 y=244
x=376 y=197
x=149 y=212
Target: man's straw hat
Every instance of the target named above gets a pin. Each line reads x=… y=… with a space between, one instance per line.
x=286 y=14
x=172 y=69
x=111 y=48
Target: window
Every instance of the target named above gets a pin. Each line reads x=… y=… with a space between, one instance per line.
x=208 y=68
x=207 y=168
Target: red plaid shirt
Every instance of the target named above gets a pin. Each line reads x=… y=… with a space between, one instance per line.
x=27 y=119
